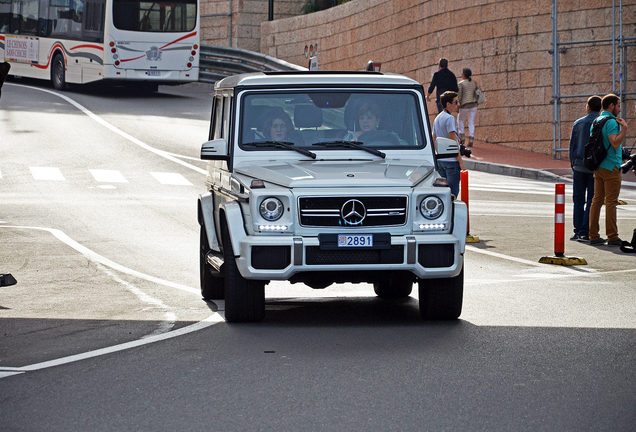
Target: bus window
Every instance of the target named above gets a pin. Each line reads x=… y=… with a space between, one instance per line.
x=5 y=16
x=148 y=16
x=66 y=16
x=94 y=20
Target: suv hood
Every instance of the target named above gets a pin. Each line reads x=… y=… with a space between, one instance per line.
x=330 y=173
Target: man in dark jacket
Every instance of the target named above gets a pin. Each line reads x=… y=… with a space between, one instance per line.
x=444 y=80
x=583 y=186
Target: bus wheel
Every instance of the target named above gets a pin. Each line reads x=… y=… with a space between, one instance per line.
x=58 y=74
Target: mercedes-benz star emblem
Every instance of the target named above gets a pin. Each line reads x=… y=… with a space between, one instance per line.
x=353 y=212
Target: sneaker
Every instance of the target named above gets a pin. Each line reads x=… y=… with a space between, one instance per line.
x=617 y=242
x=598 y=241
x=575 y=237
x=584 y=238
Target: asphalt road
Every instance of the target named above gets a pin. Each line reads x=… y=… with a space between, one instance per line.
x=105 y=329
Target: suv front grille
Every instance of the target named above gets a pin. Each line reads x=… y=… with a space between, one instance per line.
x=363 y=211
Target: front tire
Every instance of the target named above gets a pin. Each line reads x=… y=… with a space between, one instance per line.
x=244 y=298
x=212 y=287
x=58 y=72
x=441 y=299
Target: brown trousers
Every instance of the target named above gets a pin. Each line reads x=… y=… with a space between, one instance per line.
x=607 y=186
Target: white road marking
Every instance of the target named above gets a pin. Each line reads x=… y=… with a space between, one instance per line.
x=577 y=271
x=94 y=256
x=119 y=132
x=215 y=318
x=511 y=190
x=0 y=173
x=108 y=176
x=164 y=326
x=171 y=179
x=158 y=335
x=44 y=173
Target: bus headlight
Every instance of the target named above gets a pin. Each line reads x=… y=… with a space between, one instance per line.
x=431 y=207
x=271 y=209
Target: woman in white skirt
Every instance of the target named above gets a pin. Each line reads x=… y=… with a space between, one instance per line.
x=467 y=97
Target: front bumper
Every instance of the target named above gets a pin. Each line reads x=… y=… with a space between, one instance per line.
x=279 y=258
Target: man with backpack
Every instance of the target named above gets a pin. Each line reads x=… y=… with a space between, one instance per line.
x=607 y=177
x=583 y=185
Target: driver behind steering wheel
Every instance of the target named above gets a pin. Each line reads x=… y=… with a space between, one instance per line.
x=368 y=121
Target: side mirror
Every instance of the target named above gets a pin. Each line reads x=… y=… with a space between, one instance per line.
x=446 y=148
x=215 y=150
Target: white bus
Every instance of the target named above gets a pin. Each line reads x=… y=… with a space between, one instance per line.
x=81 y=41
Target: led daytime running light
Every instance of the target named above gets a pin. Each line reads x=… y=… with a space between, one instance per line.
x=273 y=227
x=433 y=227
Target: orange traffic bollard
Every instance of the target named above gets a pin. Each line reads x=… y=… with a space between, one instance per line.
x=559 y=220
x=559 y=232
x=464 y=196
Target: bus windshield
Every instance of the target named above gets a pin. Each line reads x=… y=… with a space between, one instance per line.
x=149 y=16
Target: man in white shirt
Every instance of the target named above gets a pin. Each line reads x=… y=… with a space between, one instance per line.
x=445 y=125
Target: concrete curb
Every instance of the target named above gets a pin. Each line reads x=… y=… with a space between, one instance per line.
x=514 y=171
x=530 y=173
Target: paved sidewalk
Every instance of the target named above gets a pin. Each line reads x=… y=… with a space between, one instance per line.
x=498 y=159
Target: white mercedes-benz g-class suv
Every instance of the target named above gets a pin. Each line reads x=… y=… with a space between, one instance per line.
x=327 y=177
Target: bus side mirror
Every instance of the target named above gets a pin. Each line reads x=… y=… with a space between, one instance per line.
x=446 y=148
x=215 y=150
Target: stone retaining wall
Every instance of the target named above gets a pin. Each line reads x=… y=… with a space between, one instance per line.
x=506 y=43
x=247 y=16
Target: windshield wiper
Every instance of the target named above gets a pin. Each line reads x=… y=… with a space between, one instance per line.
x=353 y=144
x=282 y=144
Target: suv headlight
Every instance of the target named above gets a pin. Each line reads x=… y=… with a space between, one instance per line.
x=431 y=207
x=271 y=209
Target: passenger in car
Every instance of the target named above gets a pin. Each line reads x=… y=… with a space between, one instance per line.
x=368 y=120
x=279 y=127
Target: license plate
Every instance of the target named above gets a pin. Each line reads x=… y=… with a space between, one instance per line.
x=153 y=73
x=357 y=240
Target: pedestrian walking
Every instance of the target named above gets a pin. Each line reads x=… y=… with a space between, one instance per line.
x=583 y=186
x=607 y=177
x=443 y=80
x=445 y=125
x=467 y=96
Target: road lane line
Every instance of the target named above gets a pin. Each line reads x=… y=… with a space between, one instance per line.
x=564 y=269
x=94 y=256
x=171 y=179
x=213 y=319
x=159 y=335
x=170 y=317
x=46 y=173
x=118 y=131
x=108 y=176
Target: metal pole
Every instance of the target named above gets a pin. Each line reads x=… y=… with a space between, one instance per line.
x=555 y=81
x=614 y=46
x=270 y=14
x=230 y=26
x=623 y=57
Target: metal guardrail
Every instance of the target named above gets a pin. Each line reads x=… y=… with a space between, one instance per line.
x=217 y=63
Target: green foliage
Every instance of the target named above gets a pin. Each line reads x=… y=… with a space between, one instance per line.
x=311 y=6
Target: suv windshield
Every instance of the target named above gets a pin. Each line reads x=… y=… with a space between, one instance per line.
x=332 y=119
